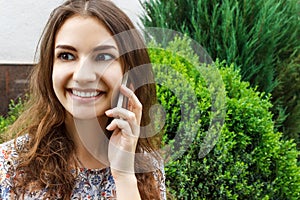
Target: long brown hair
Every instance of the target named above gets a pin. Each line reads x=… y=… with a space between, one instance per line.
x=44 y=161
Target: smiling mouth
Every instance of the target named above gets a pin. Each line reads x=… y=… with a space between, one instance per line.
x=85 y=94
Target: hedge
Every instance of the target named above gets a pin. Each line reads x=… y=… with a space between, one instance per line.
x=249 y=160
x=261 y=38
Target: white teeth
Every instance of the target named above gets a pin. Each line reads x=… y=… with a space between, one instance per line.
x=85 y=94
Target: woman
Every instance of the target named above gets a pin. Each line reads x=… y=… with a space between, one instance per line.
x=60 y=151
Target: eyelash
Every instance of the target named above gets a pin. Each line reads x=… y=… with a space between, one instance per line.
x=112 y=57
x=97 y=59
x=60 y=56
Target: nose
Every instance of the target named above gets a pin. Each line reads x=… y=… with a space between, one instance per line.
x=84 y=72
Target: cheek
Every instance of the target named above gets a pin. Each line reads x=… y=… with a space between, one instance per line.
x=58 y=79
x=113 y=77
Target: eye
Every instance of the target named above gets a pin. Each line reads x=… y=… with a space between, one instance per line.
x=66 y=56
x=104 y=57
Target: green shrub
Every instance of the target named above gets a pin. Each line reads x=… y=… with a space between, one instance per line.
x=258 y=36
x=249 y=160
x=287 y=95
x=5 y=121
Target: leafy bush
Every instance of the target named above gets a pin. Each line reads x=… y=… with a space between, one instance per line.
x=249 y=160
x=14 y=110
x=287 y=95
x=258 y=36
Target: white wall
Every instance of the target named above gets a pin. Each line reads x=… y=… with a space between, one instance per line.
x=22 y=22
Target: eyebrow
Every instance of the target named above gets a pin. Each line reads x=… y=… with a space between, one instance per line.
x=65 y=47
x=98 y=48
x=104 y=47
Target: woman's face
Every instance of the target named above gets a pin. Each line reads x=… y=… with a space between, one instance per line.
x=86 y=70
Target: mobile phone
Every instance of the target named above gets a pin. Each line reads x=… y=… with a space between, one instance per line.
x=122 y=100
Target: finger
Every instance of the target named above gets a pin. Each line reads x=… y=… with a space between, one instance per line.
x=128 y=116
x=122 y=113
x=134 y=103
x=131 y=96
x=124 y=127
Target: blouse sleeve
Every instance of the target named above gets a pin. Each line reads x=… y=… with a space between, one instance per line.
x=163 y=185
x=160 y=177
x=7 y=161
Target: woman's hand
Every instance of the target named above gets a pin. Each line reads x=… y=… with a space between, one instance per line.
x=126 y=131
x=122 y=145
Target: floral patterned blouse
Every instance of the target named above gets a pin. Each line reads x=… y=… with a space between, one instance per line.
x=90 y=183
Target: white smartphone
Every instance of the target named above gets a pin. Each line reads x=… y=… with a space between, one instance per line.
x=122 y=100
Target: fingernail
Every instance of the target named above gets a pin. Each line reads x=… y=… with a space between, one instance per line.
x=108 y=112
x=108 y=127
x=124 y=86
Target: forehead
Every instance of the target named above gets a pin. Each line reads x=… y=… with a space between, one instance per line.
x=84 y=30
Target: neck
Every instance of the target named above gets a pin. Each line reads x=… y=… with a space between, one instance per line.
x=90 y=141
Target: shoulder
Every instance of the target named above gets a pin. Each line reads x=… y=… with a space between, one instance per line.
x=8 y=161
x=8 y=150
x=158 y=169
x=160 y=177
x=8 y=155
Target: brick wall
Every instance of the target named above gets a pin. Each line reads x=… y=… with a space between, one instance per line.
x=13 y=83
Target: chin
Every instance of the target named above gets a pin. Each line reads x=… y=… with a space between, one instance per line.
x=83 y=114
